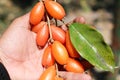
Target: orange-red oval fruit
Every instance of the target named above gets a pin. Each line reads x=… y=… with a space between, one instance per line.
x=71 y=50
x=55 y=9
x=59 y=52
x=74 y=66
x=48 y=59
x=42 y=35
x=48 y=74
x=37 y=27
x=58 y=34
x=37 y=13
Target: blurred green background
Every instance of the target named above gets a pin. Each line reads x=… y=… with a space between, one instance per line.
x=104 y=14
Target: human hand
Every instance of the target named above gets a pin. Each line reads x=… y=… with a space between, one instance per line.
x=21 y=56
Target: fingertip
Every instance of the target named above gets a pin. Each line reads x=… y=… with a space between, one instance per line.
x=25 y=16
x=74 y=76
x=22 y=21
x=80 y=20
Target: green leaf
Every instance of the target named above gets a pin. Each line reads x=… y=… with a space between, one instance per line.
x=91 y=46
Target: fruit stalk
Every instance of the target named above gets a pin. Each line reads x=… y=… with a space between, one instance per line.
x=48 y=21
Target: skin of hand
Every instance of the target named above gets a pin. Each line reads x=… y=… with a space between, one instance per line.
x=21 y=56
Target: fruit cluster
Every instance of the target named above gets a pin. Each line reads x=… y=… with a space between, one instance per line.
x=60 y=49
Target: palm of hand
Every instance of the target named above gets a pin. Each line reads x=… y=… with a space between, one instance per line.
x=22 y=58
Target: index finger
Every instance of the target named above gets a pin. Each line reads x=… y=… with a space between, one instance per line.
x=79 y=20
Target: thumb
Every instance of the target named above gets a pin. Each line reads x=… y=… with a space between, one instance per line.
x=22 y=21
